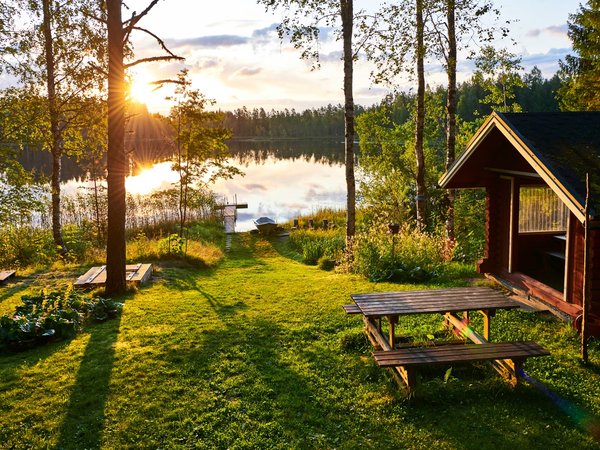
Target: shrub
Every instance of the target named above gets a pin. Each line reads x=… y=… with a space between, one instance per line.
x=171 y=245
x=409 y=256
x=316 y=244
x=26 y=246
x=326 y=263
x=78 y=240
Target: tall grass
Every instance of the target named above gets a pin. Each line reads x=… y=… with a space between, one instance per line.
x=315 y=245
x=408 y=256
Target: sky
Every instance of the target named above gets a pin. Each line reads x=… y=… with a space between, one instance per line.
x=235 y=57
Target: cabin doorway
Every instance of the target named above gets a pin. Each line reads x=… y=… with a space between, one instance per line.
x=542 y=236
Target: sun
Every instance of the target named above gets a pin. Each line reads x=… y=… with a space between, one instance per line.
x=159 y=176
x=140 y=89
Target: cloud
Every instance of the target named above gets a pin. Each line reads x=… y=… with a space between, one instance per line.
x=206 y=63
x=546 y=62
x=557 y=30
x=222 y=40
x=255 y=187
x=266 y=32
x=335 y=56
x=374 y=91
x=247 y=72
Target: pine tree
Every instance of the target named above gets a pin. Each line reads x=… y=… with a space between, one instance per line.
x=581 y=90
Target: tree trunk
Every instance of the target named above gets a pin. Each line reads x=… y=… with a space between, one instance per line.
x=117 y=161
x=347 y=13
x=55 y=132
x=420 y=123
x=451 y=123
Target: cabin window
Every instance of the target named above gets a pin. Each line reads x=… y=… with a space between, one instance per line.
x=541 y=210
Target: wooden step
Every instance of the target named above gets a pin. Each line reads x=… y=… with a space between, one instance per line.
x=6 y=274
x=449 y=354
x=351 y=309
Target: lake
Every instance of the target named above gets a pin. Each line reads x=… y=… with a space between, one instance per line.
x=282 y=179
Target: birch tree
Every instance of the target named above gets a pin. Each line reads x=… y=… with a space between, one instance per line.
x=302 y=25
x=47 y=45
x=446 y=27
x=200 y=149
x=456 y=25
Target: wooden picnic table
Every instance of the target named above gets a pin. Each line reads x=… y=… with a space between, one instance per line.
x=449 y=302
x=374 y=306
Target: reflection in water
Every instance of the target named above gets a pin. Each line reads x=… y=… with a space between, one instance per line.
x=257 y=152
x=283 y=179
x=284 y=188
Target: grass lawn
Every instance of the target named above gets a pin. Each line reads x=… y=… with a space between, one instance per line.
x=258 y=353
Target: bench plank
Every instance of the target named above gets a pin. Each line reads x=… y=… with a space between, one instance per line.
x=447 y=354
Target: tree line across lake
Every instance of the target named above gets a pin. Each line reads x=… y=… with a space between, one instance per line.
x=534 y=94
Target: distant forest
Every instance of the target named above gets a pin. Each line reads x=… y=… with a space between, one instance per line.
x=537 y=95
x=148 y=139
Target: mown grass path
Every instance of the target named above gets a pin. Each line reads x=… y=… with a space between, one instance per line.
x=258 y=353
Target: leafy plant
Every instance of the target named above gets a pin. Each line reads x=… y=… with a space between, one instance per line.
x=53 y=315
x=171 y=245
x=314 y=245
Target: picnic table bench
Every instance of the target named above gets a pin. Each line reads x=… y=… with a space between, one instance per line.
x=507 y=357
x=512 y=353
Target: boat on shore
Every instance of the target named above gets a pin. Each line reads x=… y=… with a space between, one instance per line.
x=265 y=225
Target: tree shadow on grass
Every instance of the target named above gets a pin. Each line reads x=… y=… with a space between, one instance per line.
x=83 y=423
x=15 y=285
x=478 y=410
x=244 y=367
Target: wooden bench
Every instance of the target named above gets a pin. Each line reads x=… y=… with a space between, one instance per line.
x=512 y=355
x=6 y=274
x=352 y=309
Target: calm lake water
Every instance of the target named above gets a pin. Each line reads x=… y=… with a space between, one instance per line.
x=282 y=180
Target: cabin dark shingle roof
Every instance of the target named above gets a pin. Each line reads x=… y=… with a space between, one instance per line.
x=561 y=147
x=567 y=144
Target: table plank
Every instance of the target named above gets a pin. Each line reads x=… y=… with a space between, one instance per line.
x=432 y=301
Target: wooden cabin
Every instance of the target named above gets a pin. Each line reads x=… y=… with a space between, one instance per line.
x=533 y=167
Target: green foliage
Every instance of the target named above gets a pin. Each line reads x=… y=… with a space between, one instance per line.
x=33 y=246
x=581 y=72
x=410 y=255
x=207 y=231
x=79 y=240
x=313 y=245
x=469 y=225
x=26 y=246
x=52 y=316
x=386 y=173
x=497 y=72
x=326 y=263
x=173 y=244
x=20 y=197
x=201 y=153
